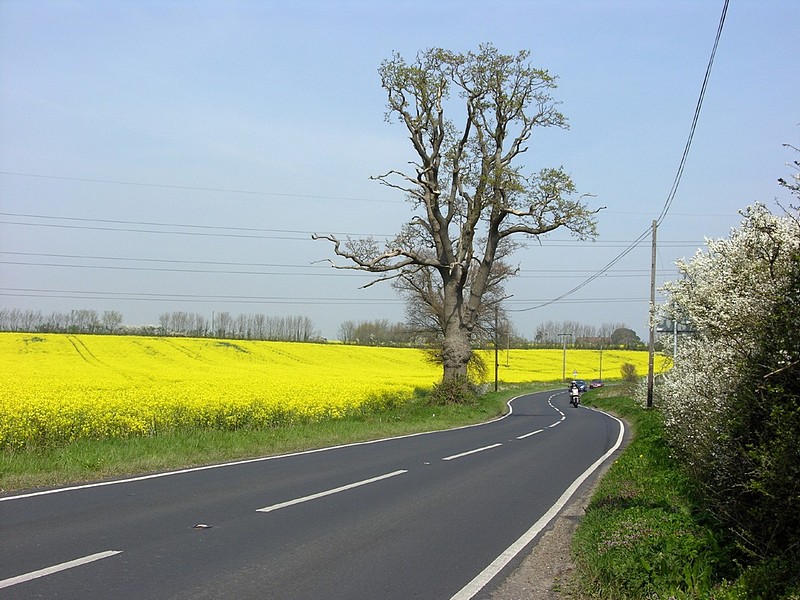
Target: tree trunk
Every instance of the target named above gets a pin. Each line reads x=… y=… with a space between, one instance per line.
x=456 y=352
x=456 y=345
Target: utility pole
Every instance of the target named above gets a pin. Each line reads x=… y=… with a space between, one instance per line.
x=601 y=362
x=563 y=336
x=508 y=344
x=652 y=314
x=496 y=348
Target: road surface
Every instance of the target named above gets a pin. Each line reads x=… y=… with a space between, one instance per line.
x=430 y=516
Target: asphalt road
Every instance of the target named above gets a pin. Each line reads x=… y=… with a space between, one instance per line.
x=436 y=516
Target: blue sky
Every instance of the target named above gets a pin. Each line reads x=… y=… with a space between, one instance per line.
x=177 y=155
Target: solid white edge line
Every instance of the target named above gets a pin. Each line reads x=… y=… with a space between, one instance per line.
x=97 y=484
x=56 y=568
x=330 y=492
x=248 y=460
x=485 y=576
x=471 y=452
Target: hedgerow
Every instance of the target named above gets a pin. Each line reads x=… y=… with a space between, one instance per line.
x=731 y=403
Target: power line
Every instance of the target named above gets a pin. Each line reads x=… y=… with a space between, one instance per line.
x=197 y=189
x=163 y=225
x=676 y=182
x=231 y=299
x=194 y=266
x=329 y=273
x=571 y=272
x=589 y=279
x=176 y=269
x=156 y=231
x=625 y=252
x=285 y=194
x=161 y=260
x=699 y=105
x=255 y=233
x=162 y=297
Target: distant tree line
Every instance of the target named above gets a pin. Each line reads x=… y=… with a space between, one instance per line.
x=377 y=333
x=242 y=326
x=74 y=321
x=178 y=323
x=552 y=334
x=380 y=332
x=547 y=335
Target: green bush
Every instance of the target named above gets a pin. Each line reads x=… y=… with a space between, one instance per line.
x=628 y=372
x=458 y=390
x=643 y=535
x=762 y=461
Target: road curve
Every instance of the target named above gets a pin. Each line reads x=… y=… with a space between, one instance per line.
x=437 y=515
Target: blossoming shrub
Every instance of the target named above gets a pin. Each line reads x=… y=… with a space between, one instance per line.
x=56 y=388
x=731 y=403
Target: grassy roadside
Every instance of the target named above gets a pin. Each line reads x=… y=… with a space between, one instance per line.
x=643 y=535
x=92 y=460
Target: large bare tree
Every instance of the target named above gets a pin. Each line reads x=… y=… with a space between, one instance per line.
x=470 y=195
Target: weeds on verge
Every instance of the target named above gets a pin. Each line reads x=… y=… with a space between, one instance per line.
x=644 y=534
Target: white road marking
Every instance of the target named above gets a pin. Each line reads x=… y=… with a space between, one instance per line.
x=246 y=461
x=87 y=486
x=472 y=452
x=563 y=417
x=56 y=568
x=522 y=437
x=497 y=565
x=330 y=492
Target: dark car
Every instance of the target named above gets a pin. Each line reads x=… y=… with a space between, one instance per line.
x=596 y=383
x=582 y=387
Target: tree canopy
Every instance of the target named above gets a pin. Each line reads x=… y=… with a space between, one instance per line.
x=470 y=117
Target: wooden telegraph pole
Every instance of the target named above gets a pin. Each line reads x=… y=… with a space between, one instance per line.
x=652 y=313
x=496 y=349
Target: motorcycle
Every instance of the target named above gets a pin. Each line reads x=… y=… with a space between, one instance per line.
x=574 y=397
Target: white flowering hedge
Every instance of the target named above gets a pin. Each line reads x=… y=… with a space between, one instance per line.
x=726 y=294
x=730 y=403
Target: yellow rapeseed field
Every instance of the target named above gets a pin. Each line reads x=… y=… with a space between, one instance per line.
x=517 y=366
x=58 y=388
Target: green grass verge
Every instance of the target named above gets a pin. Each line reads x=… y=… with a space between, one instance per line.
x=92 y=460
x=644 y=535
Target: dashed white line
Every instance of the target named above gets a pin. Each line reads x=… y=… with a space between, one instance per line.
x=343 y=488
x=471 y=452
x=56 y=568
x=522 y=437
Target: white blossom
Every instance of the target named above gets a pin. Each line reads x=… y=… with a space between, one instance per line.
x=725 y=293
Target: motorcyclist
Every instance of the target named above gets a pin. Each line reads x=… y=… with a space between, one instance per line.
x=574 y=393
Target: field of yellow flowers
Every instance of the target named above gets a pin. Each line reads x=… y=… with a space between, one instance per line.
x=57 y=388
